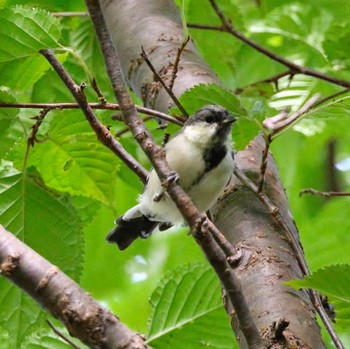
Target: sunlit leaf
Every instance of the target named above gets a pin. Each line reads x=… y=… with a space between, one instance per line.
x=332 y=281
x=187 y=308
x=23 y=32
x=48 y=224
x=72 y=160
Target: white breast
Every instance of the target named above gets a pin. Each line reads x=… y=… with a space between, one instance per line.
x=186 y=158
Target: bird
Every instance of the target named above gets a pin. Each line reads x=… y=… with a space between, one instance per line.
x=202 y=157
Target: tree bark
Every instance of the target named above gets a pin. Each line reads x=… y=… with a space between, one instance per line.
x=268 y=257
x=84 y=318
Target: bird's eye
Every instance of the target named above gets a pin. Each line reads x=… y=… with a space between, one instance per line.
x=209 y=119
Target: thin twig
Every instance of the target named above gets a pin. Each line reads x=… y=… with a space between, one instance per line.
x=127 y=129
x=35 y=128
x=176 y=63
x=98 y=91
x=334 y=95
x=166 y=88
x=294 y=68
x=70 y=14
x=268 y=140
x=60 y=334
x=273 y=79
x=106 y=106
x=326 y=194
x=101 y=131
x=277 y=124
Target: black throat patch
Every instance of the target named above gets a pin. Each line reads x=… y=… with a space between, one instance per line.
x=213 y=156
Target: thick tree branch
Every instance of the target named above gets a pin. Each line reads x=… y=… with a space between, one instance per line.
x=195 y=220
x=267 y=255
x=84 y=318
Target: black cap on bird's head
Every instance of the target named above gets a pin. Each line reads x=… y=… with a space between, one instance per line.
x=212 y=114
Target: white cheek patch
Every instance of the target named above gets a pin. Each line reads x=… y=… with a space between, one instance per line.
x=200 y=133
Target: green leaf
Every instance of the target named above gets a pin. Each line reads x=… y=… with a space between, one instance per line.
x=8 y=117
x=41 y=218
x=296 y=22
x=19 y=314
x=187 y=308
x=332 y=281
x=72 y=160
x=335 y=37
x=200 y=95
x=50 y=340
x=47 y=223
x=23 y=32
x=243 y=130
x=209 y=41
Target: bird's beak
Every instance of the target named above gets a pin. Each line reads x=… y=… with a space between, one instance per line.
x=230 y=120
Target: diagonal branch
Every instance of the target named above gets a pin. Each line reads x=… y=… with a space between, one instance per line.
x=84 y=318
x=101 y=131
x=166 y=88
x=294 y=68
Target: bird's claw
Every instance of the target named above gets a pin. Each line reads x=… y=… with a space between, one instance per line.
x=173 y=177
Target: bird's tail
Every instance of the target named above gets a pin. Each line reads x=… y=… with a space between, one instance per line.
x=128 y=230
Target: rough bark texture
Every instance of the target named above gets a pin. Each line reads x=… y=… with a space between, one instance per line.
x=244 y=220
x=155 y=26
x=268 y=257
x=63 y=298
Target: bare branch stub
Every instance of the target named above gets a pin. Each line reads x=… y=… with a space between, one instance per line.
x=35 y=128
x=326 y=194
x=268 y=140
x=176 y=63
x=98 y=91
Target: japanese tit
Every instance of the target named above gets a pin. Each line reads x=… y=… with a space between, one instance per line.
x=202 y=155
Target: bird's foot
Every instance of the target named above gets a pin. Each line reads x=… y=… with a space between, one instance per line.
x=173 y=177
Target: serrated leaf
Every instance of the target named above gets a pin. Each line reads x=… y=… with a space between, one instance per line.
x=19 y=314
x=296 y=22
x=332 y=281
x=200 y=95
x=195 y=98
x=23 y=32
x=47 y=223
x=187 y=308
x=208 y=41
x=72 y=160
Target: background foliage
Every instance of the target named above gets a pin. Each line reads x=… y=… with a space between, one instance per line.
x=62 y=195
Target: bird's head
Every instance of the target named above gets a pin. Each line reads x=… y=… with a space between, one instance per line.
x=208 y=123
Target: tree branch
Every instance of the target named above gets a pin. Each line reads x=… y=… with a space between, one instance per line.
x=105 y=106
x=84 y=318
x=157 y=77
x=101 y=131
x=195 y=220
x=294 y=68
